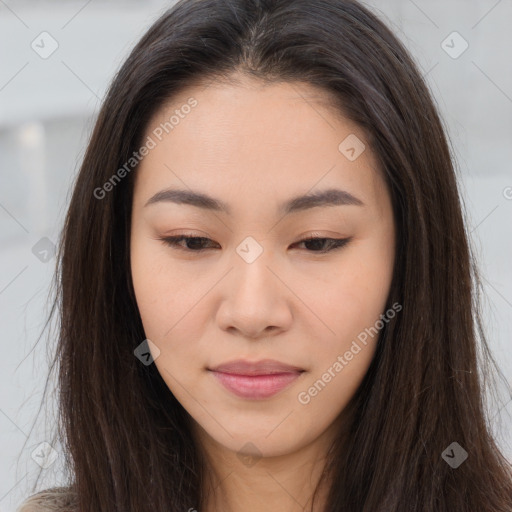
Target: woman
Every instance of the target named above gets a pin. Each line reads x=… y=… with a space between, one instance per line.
x=266 y=286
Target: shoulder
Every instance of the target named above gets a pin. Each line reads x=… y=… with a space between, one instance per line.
x=56 y=499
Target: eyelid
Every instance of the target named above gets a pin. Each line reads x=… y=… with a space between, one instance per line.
x=172 y=241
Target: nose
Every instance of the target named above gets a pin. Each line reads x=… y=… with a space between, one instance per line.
x=256 y=302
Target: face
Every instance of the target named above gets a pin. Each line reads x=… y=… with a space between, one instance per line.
x=247 y=284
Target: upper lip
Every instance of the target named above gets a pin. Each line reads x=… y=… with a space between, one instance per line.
x=263 y=367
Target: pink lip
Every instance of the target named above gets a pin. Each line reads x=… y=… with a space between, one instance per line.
x=263 y=367
x=257 y=380
x=256 y=386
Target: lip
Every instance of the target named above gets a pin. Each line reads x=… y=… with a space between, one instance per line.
x=256 y=387
x=256 y=380
x=263 y=367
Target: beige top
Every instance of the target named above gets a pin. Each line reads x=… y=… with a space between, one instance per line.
x=56 y=499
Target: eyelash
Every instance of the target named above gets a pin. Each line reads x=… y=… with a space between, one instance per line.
x=335 y=243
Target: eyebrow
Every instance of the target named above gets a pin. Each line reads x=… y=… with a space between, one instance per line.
x=329 y=197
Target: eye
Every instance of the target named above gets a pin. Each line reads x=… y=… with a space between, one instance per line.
x=195 y=243
x=332 y=243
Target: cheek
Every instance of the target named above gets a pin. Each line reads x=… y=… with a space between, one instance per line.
x=160 y=284
x=169 y=304
x=350 y=295
x=155 y=291
x=351 y=304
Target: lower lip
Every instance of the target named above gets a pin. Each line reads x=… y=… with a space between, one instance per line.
x=256 y=386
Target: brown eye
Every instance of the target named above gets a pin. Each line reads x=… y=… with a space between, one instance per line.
x=320 y=245
x=192 y=243
x=313 y=244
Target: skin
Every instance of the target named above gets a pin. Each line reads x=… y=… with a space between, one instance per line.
x=254 y=146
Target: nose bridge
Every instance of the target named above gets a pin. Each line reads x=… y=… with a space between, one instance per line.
x=253 y=279
x=254 y=299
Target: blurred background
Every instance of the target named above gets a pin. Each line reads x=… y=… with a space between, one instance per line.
x=57 y=59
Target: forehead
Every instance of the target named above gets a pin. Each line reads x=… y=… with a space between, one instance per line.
x=247 y=141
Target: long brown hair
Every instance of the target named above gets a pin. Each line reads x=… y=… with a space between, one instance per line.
x=128 y=439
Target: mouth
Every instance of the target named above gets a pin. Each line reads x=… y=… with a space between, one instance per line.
x=256 y=380
x=256 y=386
x=256 y=368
